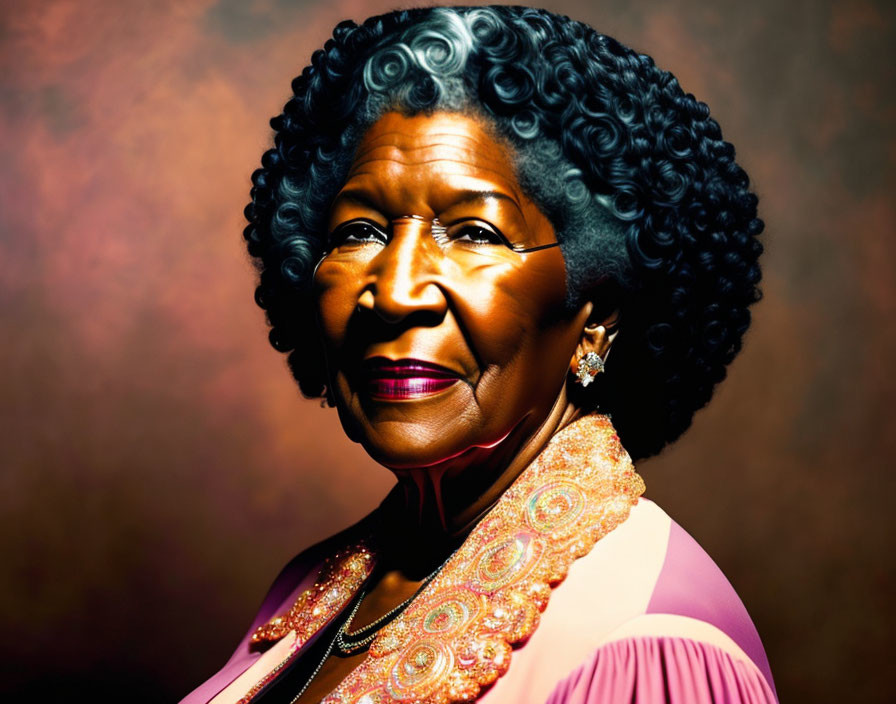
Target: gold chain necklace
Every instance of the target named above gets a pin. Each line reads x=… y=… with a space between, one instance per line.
x=348 y=642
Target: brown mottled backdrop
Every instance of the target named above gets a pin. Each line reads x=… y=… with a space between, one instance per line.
x=158 y=464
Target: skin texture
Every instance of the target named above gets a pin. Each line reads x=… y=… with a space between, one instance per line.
x=492 y=318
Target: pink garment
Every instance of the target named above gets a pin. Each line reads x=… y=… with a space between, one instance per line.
x=646 y=617
x=658 y=670
x=687 y=564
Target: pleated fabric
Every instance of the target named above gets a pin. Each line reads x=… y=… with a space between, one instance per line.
x=663 y=670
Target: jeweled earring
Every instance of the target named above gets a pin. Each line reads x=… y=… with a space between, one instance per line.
x=590 y=365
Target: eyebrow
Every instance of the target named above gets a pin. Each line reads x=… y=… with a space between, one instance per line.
x=478 y=196
x=360 y=197
x=357 y=197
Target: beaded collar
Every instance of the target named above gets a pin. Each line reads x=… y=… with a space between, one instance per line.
x=457 y=635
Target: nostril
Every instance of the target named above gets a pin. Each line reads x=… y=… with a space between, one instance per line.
x=385 y=322
x=419 y=318
x=424 y=304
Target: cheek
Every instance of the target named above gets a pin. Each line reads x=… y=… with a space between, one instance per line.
x=335 y=299
x=516 y=313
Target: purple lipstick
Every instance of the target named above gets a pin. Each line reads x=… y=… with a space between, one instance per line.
x=394 y=380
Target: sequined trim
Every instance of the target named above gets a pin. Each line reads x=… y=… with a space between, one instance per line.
x=340 y=578
x=457 y=635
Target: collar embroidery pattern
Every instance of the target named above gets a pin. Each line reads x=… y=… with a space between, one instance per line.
x=339 y=580
x=457 y=635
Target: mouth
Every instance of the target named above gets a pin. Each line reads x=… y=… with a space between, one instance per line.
x=392 y=380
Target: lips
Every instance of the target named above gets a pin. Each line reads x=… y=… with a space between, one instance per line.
x=392 y=380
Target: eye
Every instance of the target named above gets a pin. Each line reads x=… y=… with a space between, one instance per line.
x=357 y=232
x=476 y=233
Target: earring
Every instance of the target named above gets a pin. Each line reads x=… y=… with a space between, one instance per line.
x=590 y=365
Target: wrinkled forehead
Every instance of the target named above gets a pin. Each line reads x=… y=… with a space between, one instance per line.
x=425 y=159
x=439 y=135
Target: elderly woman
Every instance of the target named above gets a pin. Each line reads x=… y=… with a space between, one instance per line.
x=512 y=253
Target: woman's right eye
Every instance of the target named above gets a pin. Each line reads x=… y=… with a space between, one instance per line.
x=358 y=232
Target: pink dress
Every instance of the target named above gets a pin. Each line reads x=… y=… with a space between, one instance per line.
x=645 y=617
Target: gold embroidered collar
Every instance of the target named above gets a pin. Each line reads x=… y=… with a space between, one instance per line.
x=457 y=635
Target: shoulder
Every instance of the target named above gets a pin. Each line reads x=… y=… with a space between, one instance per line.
x=645 y=598
x=692 y=640
x=662 y=570
x=691 y=586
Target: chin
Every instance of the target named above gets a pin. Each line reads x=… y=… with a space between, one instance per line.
x=404 y=446
x=419 y=433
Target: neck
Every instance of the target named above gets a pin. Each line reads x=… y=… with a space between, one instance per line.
x=433 y=508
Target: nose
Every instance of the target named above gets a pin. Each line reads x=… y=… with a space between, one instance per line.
x=402 y=277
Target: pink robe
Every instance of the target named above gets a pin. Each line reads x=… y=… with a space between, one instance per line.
x=646 y=617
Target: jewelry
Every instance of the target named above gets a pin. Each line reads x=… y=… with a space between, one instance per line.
x=349 y=642
x=456 y=635
x=590 y=365
x=346 y=643
x=316 y=669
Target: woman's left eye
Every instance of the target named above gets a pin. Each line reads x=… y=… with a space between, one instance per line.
x=477 y=234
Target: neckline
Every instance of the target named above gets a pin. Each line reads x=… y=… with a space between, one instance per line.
x=457 y=634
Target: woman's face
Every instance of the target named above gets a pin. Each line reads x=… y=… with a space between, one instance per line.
x=440 y=336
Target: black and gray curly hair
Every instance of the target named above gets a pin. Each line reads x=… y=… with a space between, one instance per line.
x=644 y=194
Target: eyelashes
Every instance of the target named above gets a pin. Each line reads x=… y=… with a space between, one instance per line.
x=475 y=233
x=357 y=232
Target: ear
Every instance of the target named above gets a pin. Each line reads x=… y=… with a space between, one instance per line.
x=598 y=333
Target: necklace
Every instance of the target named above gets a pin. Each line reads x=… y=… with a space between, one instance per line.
x=349 y=642
x=456 y=635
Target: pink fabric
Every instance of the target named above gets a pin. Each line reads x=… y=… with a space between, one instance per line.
x=653 y=670
x=691 y=584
